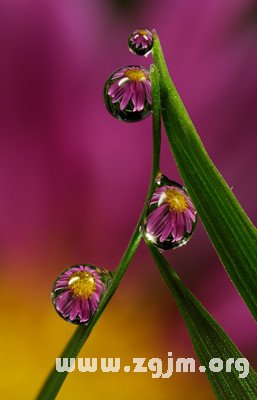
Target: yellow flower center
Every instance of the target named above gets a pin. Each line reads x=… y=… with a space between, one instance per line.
x=135 y=75
x=142 y=32
x=82 y=284
x=176 y=200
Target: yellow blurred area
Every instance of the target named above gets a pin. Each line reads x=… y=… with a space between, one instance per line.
x=34 y=335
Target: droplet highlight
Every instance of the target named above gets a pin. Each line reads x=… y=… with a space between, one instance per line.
x=127 y=93
x=78 y=290
x=140 y=42
x=171 y=217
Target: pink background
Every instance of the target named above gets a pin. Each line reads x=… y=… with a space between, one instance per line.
x=73 y=181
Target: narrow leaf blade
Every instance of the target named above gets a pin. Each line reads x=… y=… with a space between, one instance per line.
x=209 y=339
x=230 y=230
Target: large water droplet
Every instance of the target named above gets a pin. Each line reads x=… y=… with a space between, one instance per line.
x=127 y=93
x=140 y=42
x=171 y=217
x=78 y=291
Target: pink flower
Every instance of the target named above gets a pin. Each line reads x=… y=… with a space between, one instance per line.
x=77 y=292
x=172 y=221
x=141 y=42
x=133 y=84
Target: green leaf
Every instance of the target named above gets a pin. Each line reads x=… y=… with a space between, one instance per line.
x=209 y=339
x=55 y=379
x=230 y=230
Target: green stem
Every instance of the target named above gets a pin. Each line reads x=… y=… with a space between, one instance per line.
x=55 y=379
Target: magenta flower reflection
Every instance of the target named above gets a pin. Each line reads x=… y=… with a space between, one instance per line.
x=141 y=42
x=172 y=217
x=127 y=93
x=77 y=292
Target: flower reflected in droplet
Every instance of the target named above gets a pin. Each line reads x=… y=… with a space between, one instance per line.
x=171 y=218
x=140 y=42
x=77 y=292
x=127 y=93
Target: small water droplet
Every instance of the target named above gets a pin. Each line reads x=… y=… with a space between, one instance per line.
x=127 y=93
x=78 y=290
x=171 y=217
x=158 y=179
x=140 y=42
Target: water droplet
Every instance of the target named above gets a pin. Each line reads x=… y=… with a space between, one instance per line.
x=78 y=291
x=171 y=217
x=140 y=42
x=127 y=93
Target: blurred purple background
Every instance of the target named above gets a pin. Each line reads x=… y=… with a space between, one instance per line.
x=73 y=180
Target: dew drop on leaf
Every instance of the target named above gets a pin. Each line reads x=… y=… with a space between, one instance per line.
x=171 y=216
x=140 y=42
x=127 y=93
x=78 y=290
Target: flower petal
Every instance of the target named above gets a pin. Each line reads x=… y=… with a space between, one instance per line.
x=188 y=221
x=179 y=228
x=62 y=299
x=191 y=214
x=94 y=301
x=155 y=218
x=128 y=91
x=84 y=310
x=138 y=97
x=120 y=73
x=167 y=220
x=73 y=309
x=147 y=86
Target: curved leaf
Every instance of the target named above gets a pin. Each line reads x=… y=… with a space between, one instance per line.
x=230 y=230
x=209 y=339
